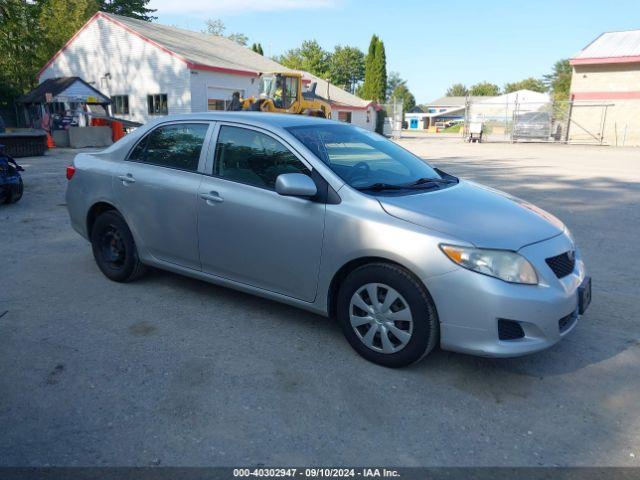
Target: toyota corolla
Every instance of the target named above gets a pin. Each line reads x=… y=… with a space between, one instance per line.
x=338 y=220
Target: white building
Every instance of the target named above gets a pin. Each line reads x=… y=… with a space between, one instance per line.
x=503 y=107
x=150 y=69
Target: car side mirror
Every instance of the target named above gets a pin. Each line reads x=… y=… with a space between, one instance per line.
x=296 y=185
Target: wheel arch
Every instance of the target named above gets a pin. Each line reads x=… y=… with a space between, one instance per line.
x=349 y=267
x=95 y=211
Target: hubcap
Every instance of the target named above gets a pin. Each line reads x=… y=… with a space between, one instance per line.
x=112 y=248
x=381 y=318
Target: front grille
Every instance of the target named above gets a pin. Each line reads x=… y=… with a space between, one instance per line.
x=566 y=322
x=563 y=264
x=509 y=330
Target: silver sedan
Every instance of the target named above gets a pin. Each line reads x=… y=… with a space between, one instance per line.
x=335 y=219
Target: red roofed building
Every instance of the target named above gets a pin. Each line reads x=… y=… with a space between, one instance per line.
x=149 y=69
x=605 y=89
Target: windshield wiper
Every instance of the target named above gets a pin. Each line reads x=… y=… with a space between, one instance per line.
x=421 y=183
x=377 y=187
x=437 y=181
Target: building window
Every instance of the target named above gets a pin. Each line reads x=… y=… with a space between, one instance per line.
x=344 y=117
x=57 y=107
x=158 y=104
x=215 y=104
x=120 y=104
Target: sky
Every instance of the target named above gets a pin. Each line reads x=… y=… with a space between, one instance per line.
x=431 y=44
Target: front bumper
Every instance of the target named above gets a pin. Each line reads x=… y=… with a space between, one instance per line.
x=469 y=305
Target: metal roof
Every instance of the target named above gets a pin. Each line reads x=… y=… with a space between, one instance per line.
x=58 y=86
x=612 y=44
x=454 y=101
x=199 y=48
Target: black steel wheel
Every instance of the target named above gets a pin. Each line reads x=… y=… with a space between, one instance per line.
x=114 y=249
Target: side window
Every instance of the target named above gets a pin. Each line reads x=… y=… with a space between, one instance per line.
x=291 y=91
x=252 y=157
x=173 y=146
x=137 y=154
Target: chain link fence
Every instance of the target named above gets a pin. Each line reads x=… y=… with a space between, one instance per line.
x=547 y=122
x=392 y=118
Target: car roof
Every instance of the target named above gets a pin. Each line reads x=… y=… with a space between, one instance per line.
x=252 y=118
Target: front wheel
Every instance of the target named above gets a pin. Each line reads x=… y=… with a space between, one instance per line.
x=114 y=249
x=387 y=315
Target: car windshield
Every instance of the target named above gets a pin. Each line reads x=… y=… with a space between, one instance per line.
x=366 y=160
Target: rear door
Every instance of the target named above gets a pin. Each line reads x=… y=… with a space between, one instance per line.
x=249 y=233
x=157 y=190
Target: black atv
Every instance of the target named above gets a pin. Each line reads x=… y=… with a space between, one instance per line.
x=11 y=187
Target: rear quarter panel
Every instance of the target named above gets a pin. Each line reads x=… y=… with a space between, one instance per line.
x=91 y=183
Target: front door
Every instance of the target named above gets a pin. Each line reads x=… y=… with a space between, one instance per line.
x=247 y=232
x=157 y=191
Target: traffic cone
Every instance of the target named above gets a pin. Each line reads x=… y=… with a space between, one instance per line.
x=50 y=142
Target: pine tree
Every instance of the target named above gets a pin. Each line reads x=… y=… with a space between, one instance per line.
x=369 y=76
x=256 y=47
x=375 y=72
x=380 y=65
x=129 y=8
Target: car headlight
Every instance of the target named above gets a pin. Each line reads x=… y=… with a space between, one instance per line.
x=502 y=264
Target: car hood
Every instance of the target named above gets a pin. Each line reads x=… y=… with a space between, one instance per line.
x=483 y=216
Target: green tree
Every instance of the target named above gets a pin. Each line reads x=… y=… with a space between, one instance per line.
x=375 y=72
x=19 y=36
x=239 y=38
x=346 y=67
x=129 y=8
x=58 y=21
x=216 y=27
x=559 y=80
x=256 y=47
x=530 y=83
x=484 y=89
x=402 y=93
x=457 y=90
x=394 y=81
x=380 y=69
x=310 y=57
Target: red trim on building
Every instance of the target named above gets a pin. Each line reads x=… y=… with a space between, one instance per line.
x=605 y=60
x=342 y=106
x=605 y=95
x=197 y=66
x=346 y=107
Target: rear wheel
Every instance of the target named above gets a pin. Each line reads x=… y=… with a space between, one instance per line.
x=17 y=192
x=114 y=249
x=387 y=316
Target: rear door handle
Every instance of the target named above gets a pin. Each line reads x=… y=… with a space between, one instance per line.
x=211 y=198
x=126 y=179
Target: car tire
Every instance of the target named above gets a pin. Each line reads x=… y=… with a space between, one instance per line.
x=114 y=249
x=410 y=334
x=17 y=192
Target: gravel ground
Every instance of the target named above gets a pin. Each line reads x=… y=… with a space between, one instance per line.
x=173 y=371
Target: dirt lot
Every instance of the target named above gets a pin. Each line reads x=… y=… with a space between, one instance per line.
x=173 y=371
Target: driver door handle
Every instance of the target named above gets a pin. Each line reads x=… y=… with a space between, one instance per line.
x=211 y=198
x=126 y=179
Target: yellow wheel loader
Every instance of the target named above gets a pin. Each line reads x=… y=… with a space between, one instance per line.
x=281 y=92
